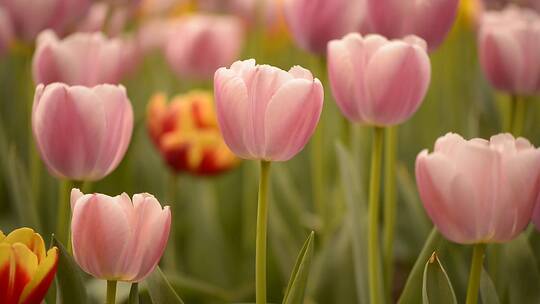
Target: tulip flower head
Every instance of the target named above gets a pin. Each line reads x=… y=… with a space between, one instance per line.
x=479 y=191
x=186 y=133
x=509 y=50
x=199 y=44
x=266 y=113
x=429 y=19
x=30 y=17
x=87 y=59
x=115 y=238
x=315 y=22
x=6 y=31
x=26 y=268
x=82 y=133
x=376 y=81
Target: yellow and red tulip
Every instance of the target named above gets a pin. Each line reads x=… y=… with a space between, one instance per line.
x=186 y=133
x=26 y=269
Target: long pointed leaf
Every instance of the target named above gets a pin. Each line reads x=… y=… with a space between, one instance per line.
x=412 y=293
x=160 y=290
x=436 y=285
x=487 y=289
x=299 y=276
x=69 y=280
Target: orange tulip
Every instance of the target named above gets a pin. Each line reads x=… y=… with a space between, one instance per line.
x=26 y=269
x=186 y=133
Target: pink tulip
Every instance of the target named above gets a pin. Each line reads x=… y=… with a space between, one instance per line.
x=315 y=22
x=267 y=113
x=82 y=133
x=114 y=238
x=200 y=44
x=509 y=47
x=6 y=31
x=30 y=17
x=429 y=19
x=479 y=191
x=376 y=81
x=85 y=59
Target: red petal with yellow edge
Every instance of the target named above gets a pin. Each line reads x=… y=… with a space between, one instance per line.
x=17 y=266
x=30 y=239
x=2 y=236
x=36 y=290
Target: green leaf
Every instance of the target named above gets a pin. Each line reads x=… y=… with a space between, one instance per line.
x=521 y=266
x=488 y=292
x=134 y=294
x=412 y=292
x=436 y=285
x=69 y=279
x=299 y=276
x=357 y=220
x=160 y=290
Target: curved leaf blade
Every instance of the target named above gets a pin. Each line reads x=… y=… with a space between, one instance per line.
x=160 y=289
x=436 y=285
x=69 y=280
x=297 y=283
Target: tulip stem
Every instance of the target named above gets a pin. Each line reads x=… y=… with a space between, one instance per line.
x=111 y=292
x=260 y=242
x=519 y=115
x=474 y=276
x=63 y=212
x=169 y=257
x=373 y=237
x=390 y=155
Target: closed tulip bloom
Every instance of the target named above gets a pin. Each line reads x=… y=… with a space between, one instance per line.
x=26 y=268
x=6 y=31
x=85 y=59
x=82 y=133
x=30 y=17
x=429 y=19
x=479 y=191
x=115 y=238
x=376 y=81
x=266 y=113
x=314 y=23
x=198 y=45
x=509 y=49
x=186 y=133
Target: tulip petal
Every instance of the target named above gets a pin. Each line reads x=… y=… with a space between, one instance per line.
x=100 y=230
x=69 y=126
x=398 y=76
x=30 y=239
x=36 y=289
x=287 y=131
x=6 y=283
x=232 y=107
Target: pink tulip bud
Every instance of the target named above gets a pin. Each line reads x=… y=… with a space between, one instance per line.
x=315 y=22
x=115 y=238
x=429 y=19
x=509 y=47
x=30 y=17
x=6 y=31
x=479 y=191
x=376 y=81
x=85 y=59
x=267 y=113
x=200 y=44
x=82 y=133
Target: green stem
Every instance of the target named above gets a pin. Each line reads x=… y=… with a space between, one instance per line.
x=509 y=116
x=390 y=155
x=63 y=211
x=474 y=276
x=519 y=115
x=373 y=237
x=111 y=292
x=318 y=165
x=260 y=243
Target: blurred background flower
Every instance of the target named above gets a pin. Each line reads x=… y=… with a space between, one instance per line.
x=186 y=133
